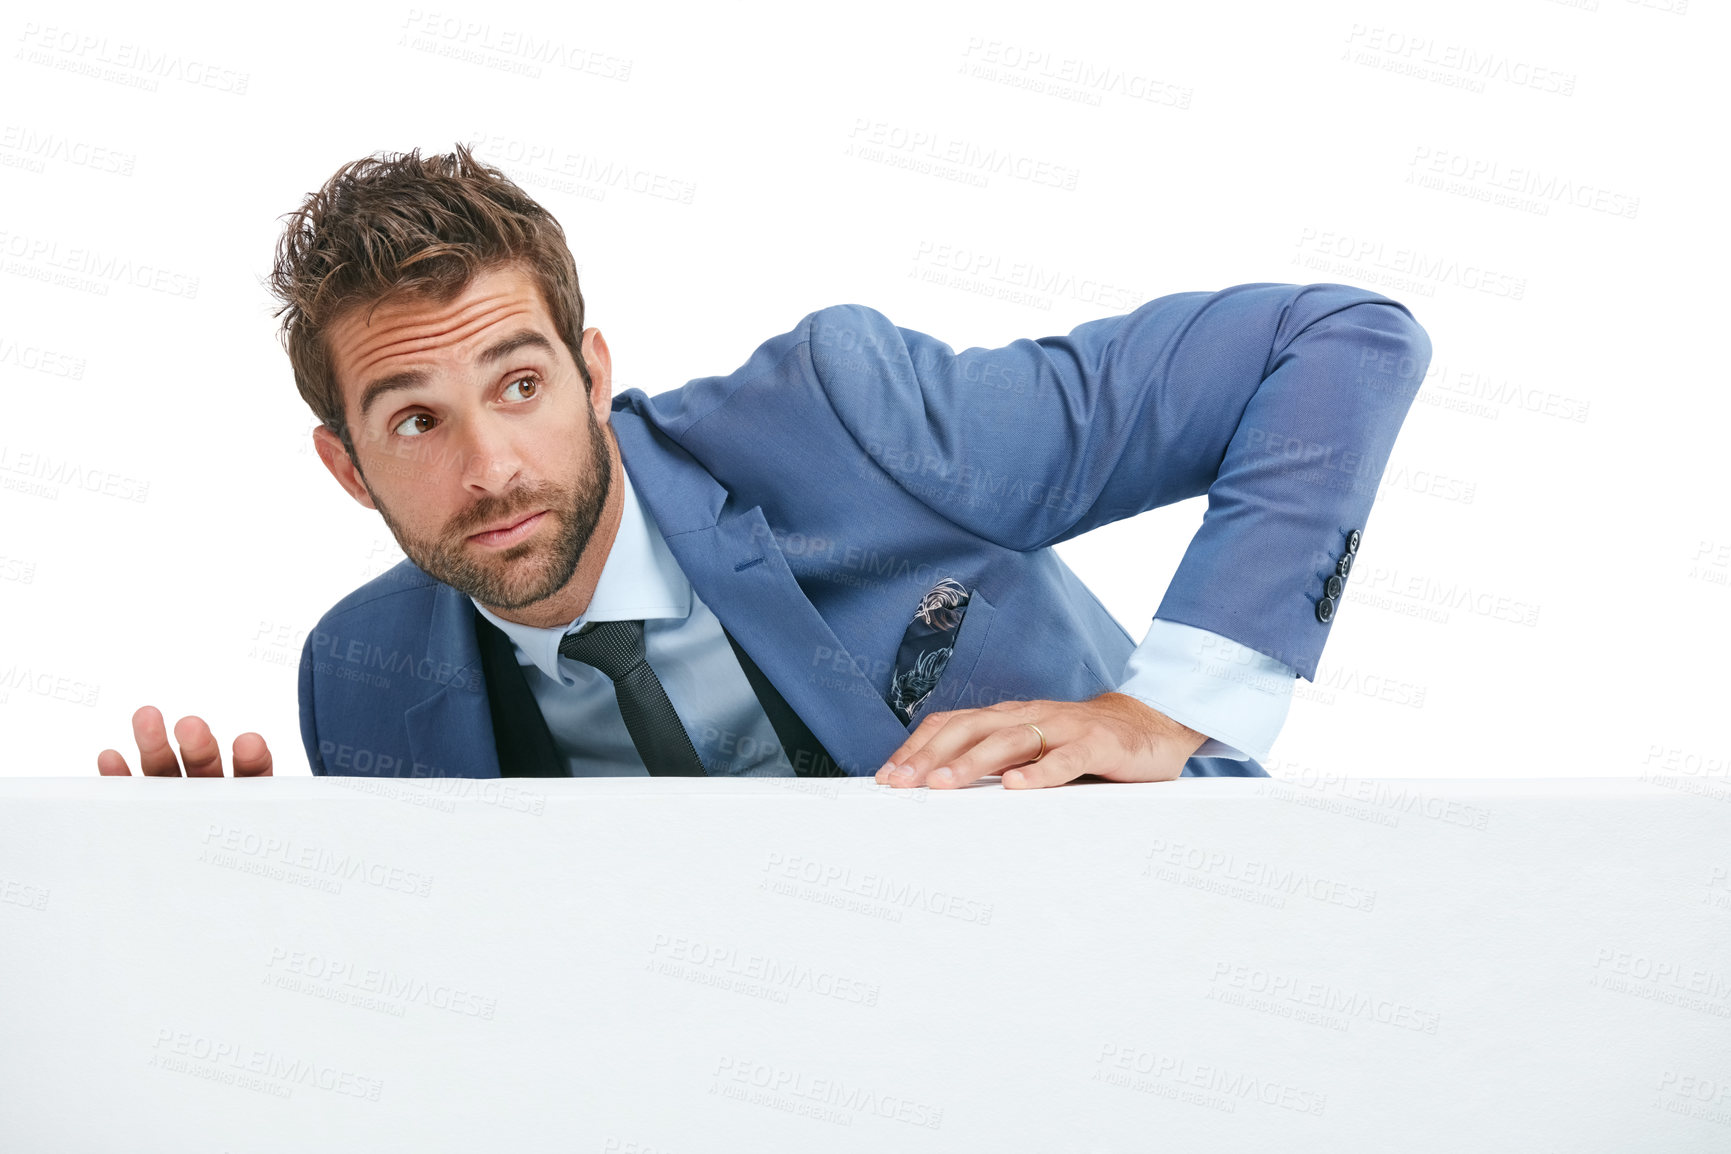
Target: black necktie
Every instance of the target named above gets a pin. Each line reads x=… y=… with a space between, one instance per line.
x=616 y=649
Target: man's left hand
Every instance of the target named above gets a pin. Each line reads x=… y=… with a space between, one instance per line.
x=1113 y=736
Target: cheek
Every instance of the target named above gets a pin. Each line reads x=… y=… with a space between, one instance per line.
x=561 y=454
x=426 y=464
x=418 y=497
x=399 y=460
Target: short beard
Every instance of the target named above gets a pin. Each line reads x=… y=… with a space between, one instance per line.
x=510 y=580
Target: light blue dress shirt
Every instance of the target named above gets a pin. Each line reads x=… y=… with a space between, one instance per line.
x=1214 y=685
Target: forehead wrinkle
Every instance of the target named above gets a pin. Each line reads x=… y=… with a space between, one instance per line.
x=456 y=332
x=393 y=338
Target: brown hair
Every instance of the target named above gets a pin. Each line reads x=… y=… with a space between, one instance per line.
x=403 y=223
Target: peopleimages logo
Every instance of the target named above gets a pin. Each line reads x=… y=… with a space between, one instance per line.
x=184 y=1052
x=874 y=887
x=552 y=165
x=1454 y=65
x=1411 y=268
x=89 y=269
x=505 y=48
x=1482 y=176
x=1163 y=1074
x=36 y=359
x=1022 y=281
x=41 y=474
x=123 y=62
x=37 y=149
x=342 y=974
x=1329 y=999
x=60 y=687
x=1172 y=861
x=881 y=141
x=834 y=1093
x=1036 y=69
x=225 y=844
x=760 y=974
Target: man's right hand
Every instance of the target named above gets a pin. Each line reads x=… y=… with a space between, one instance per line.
x=198 y=748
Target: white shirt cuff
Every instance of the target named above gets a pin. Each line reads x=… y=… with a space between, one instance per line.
x=1214 y=685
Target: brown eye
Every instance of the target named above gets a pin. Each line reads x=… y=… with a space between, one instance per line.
x=412 y=417
x=529 y=384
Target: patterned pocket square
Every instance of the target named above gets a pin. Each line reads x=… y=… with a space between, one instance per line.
x=926 y=646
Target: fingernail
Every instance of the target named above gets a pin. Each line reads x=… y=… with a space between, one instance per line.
x=943 y=774
x=886 y=769
x=902 y=773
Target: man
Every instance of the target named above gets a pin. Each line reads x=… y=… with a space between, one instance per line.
x=837 y=558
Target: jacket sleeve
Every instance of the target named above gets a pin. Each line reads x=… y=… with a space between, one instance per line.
x=309 y=723
x=1279 y=402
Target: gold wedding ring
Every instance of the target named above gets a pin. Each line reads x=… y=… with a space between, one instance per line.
x=1042 y=752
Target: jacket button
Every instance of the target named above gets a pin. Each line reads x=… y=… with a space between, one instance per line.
x=1344 y=565
x=1352 y=540
x=1325 y=610
x=1333 y=586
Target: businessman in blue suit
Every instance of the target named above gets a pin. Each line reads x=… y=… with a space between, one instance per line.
x=836 y=559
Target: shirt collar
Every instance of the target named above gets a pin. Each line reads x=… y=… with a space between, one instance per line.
x=640 y=580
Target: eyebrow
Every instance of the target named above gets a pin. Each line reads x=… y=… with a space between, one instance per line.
x=409 y=378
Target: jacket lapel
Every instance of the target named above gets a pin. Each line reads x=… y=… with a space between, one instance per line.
x=738 y=570
x=451 y=731
x=804 y=751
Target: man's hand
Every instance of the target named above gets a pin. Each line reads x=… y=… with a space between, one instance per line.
x=1113 y=736
x=203 y=756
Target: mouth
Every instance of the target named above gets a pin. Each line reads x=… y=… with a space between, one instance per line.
x=509 y=534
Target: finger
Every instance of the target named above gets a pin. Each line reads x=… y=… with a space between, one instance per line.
x=198 y=748
x=895 y=771
x=1011 y=744
x=963 y=731
x=251 y=756
x=1064 y=764
x=110 y=763
x=155 y=756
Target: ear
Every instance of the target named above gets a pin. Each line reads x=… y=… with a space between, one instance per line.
x=336 y=458
x=600 y=363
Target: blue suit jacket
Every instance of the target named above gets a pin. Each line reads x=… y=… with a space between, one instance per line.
x=813 y=495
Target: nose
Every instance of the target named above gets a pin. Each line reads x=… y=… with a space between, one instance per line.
x=491 y=461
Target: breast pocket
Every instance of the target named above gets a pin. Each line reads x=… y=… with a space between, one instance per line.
x=958 y=675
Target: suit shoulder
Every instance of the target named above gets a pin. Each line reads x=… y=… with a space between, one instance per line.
x=842 y=314
x=401 y=586
x=847 y=326
x=854 y=345
x=845 y=348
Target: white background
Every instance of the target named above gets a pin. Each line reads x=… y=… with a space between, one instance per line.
x=1543 y=587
